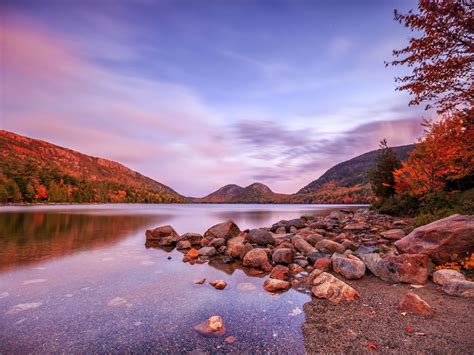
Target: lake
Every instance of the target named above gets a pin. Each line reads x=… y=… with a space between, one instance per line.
x=80 y=279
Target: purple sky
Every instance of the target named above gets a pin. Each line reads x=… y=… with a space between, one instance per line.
x=198 y=94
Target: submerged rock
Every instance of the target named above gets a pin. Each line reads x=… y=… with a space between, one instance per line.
x=212 y=326
x=414 y=304
x=280 y=272
x=442 y=239
x=275 y=285
x=218 y=284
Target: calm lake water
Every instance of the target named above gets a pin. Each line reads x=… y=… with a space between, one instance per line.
x=79 y=279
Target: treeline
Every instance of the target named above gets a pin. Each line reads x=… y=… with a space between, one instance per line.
x=29 y=182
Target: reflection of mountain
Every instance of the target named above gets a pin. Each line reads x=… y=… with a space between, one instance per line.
x=30 y=237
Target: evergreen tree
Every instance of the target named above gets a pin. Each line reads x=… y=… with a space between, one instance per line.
x=381 y=176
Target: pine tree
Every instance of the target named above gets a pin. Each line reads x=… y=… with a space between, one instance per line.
x=381 y=176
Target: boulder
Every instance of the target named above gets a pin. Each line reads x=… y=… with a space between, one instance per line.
x=257 y=258
x=414 y=304
x=326 y=286
x=441 y=276
x=211 y=326
x=295 y=269
x=224 y=230
x=280 y=272
x=280 y=230
x=260 y=237
x=167 y=241
x=461 y=288
x=302 y=245
x=193 y=238
x=275 y=285
x=313 y=238
x=329 y=247
x=218 y=284
x=443 y=240
x=235 y=246
x=183 y=244
x=158 y=233
x=283 y=256
x=297 y=223
x=410 y=268
x=356 y=227
x=217 y=243
x=316 y=255
x=393 y=234
x=350 y=266
x=323 y=264
x=207 y=251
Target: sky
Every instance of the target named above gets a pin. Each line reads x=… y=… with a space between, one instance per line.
x=197 y=94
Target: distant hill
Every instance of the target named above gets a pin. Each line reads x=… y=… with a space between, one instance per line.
x=254 y=193
x=347 y=181
x=33 y=170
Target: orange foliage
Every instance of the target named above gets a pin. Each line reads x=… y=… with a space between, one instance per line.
x=467 y=264
x=446 y=154
x=41 y=192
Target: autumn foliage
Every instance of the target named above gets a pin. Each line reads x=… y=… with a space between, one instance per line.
x=444 y=158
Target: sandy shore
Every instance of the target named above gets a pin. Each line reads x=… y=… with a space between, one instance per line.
x=375 y=321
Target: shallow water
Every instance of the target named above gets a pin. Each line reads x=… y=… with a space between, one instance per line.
x=79 y=278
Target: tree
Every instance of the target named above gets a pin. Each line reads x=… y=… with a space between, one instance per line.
x=445 y=156
x=381 y=176
x=442 y=57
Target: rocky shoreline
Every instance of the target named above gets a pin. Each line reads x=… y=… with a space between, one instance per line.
x=327 y=256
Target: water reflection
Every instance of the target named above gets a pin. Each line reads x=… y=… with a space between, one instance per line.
x=31 y=237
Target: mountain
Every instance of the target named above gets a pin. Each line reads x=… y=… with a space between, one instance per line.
x=33 y=170
x=254 y=193
x=348 y=181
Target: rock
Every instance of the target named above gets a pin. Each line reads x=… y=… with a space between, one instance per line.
x=461 y=288
x=212 y=326
x=442 y=240
x=224 y=230
x=331 y=288
x=274 y=285
x=192 y=254
x=218 y=284
x=257 y=258
x=366 y=250
x=329 y=247
x=323 y=264
x=441 y=276
x=222 y=249
x=410 y=268
x=359 y=226
x=297 y=223
x=183 y=244
x=235 y=246
x=230 y=339
x=302 y=245
x=260 y=237
x=314 y=238
x=283 y=256
x=280 y=272
x=161 y=232
x=393 y=234
x=199 y=281
x=301 y=262
x=193 y=238
x=295 y=269
x=348 y=266
x=349 y=245
x=217 y=243
x=227 y=259
x=280 y=230
x=293 y=229
x=316 y=255
x=207 y=251
x=167 y=241
x=247 y=247
x=414 y=304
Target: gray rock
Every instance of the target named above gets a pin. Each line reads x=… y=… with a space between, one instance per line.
x=460 y=288
x=348 y=266
x=442 y=276
x=260 y=237
x=207 y=251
